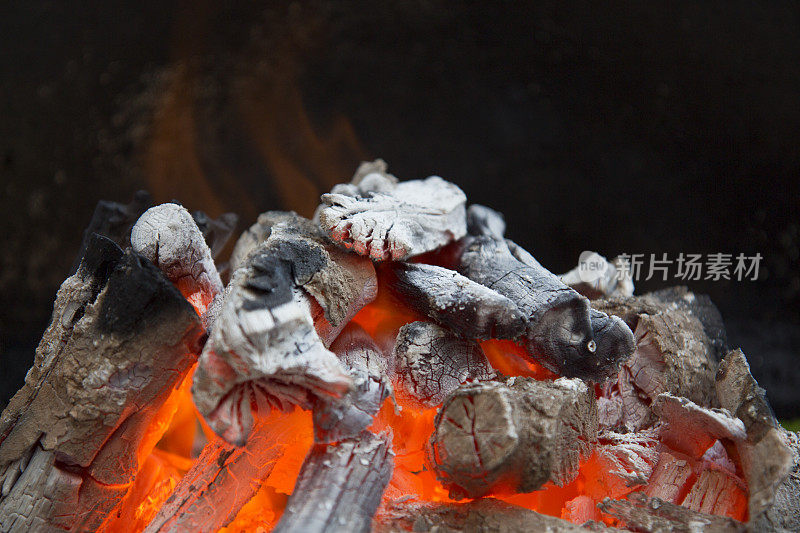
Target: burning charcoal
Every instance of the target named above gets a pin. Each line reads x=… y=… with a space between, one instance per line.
x=264 y=350
x=718 y=492
x=766 y=457
x=630 y=457
x=346 y=418
x=262 y=354
x=216 y=231
x=560 y=329
x=609 y=279
x=114 y=221
x=120 y=340
x=673 y=354
x=376 y=216
x=464 y=307
x=691 y=429
x=515 y=436
x=223 y=479
x=339 y=486
x=485 y=514
x=784 y=514
x=482 y=220
x=432 y=362
x=639 y=513
x=257 y=234
x=340 y=283
x=168 y=236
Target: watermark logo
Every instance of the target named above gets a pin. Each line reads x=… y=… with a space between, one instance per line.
x=687 y=267
x=592 y=266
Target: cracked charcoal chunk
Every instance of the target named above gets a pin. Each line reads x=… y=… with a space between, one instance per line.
x=113 y=221
x=339 y=486
x=482 y=220
x=262 y=359
x=432 y=362
x=561 y=332
x=168 y=236
x=514 y=436
x=673 y=354
x=377 y=217
x=485 y=514
x=691 y=429
x=121 y=337
x=347 y=417
x=265 y=351
x=464 y=307
x=640 y=513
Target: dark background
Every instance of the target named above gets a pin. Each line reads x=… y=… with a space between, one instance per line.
x=644 y=127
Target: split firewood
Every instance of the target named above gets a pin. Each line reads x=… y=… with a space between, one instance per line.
x=640 y=513
x=224 y=478
x=71 y=440
x=374 y=215
x=265 y=351
x=113 y=221
x=168 y=236
x=485 y=514
x=766 y=456
x=513 y=436
x=432 y=362
x=348 y=416
x=560 y=329
x=673 y=354
x=597 y=277
x=466 y=308
x=340 y=486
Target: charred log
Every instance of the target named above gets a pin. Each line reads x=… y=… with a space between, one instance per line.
x=348 y=416
x=560 y=329
x=122 y=337
x=339 y=486
x=466 y=308
x=518 y=435
x=374 y=215
x=340 y=283
x=640 y=513
x=486 y=514
x=223 y=479
x=432 y=362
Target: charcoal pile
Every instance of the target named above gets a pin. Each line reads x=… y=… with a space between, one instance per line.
x=395 y=363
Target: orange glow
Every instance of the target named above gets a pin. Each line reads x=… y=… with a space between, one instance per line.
x=510 y=359
x=169 y=448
